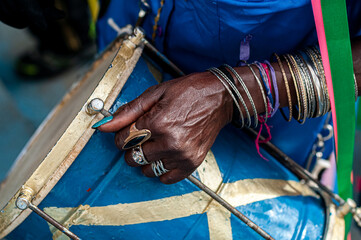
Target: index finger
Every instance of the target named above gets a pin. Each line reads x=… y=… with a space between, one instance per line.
x=130 y=112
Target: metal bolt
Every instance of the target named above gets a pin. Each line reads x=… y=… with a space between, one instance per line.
x=319 y=154
x=139 y=32
x=137 y=37
x=347 y=207
x=24 y=199
x=320 y=144
x=95 y=106
x=22 y=203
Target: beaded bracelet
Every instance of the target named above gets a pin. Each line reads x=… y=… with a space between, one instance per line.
x=275 y=88
x=265 y=81
x=267 y=77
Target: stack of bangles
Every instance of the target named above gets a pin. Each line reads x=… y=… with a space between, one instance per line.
x=308 y=78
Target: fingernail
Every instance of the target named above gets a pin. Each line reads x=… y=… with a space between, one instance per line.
x=103 y=121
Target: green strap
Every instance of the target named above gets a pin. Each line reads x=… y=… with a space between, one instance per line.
x=339 y=50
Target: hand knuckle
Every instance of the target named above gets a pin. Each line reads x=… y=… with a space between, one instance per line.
x=174 y=146
x=125 y=108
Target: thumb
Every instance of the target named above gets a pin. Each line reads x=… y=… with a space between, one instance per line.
x=130 y=112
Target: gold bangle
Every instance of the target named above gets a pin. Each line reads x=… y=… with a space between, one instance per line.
x=317 y=72
x=295 y=85
x=323 y=77
x=302 y=88
x=287 y=87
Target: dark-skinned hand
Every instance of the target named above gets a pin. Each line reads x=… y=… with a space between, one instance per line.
x=24 y=13
x=184 y=115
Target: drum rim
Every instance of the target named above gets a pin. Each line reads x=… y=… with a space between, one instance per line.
x=334 y=224
x=107 y=89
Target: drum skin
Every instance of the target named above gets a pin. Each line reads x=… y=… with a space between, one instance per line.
x=101 y=197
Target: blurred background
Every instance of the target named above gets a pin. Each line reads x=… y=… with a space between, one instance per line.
x=26 y=102
x=38 y=68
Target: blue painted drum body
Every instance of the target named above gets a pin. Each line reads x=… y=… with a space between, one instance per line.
x=114 y=201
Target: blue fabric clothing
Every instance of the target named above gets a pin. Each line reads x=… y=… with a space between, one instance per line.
x=197 y=35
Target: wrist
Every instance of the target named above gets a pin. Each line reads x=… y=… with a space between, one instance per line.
x=225 y=101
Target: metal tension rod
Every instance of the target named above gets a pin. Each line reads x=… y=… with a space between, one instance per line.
x=24 y=201
x=162 y=58
x=230 y=208
x=53 y=222
x=345 y=206
x=292 y=165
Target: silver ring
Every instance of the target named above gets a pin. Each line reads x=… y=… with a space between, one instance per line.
x=138 y=155
x=158 y=168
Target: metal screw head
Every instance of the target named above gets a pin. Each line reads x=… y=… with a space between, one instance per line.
x=351 y=203
x=95 y=106
x=347 y=207
x=319 y=154
x=137 y=37
x=25 y=197
x=320 y=144
x=22 y=203
x=138 y=31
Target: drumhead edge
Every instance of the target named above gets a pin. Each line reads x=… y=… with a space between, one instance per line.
x=70 y=144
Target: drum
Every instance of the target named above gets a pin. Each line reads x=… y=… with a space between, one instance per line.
x=78 y=176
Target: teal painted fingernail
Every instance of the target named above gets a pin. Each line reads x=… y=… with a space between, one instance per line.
x=103 y=121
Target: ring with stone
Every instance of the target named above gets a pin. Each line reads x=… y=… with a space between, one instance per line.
x=138 y=155
x=136 y=137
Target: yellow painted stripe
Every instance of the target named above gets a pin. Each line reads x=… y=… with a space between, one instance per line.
x=238 y=193
x=135 y=213
x=219 y=222
x=209 y=172
x=219 y=219
x=253 y=190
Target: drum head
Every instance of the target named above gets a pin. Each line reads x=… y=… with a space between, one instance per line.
x=63 y=134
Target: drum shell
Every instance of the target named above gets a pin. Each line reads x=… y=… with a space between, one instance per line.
x=99 y=177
